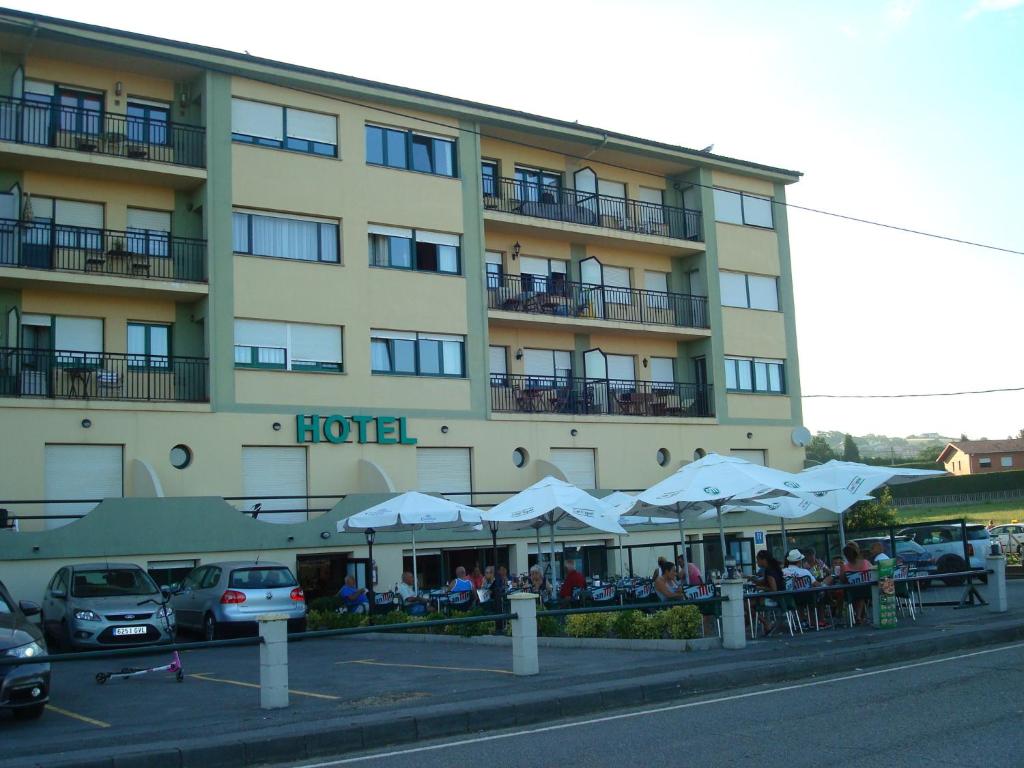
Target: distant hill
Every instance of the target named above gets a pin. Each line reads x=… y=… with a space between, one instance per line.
x=928 y=445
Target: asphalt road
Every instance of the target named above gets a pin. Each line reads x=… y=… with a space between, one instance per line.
x=963 y=710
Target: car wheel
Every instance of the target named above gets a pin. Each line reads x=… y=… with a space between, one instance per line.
x=210 y=629
x=33 y=712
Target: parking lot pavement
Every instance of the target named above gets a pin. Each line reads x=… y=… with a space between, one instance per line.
x=361 y=679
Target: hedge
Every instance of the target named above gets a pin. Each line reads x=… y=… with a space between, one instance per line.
x=950 y=484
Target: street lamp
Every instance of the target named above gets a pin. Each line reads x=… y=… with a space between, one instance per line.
x=370 y=536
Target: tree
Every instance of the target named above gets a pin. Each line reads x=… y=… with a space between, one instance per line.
x=819 y=450
x=850 y=450
x=1020 y=434
x=963 y=437
x=871 y=515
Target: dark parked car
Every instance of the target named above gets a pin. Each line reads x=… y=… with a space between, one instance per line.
x=25 y=688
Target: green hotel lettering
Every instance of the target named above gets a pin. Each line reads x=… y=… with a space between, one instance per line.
x=388 y=430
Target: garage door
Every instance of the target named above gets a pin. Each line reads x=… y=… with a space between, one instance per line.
x=577 y=464
x=275 y=472
x=751 y=455
x=81 y=472
x=447 y=471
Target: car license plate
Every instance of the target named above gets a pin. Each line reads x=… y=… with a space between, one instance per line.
x=121 y=631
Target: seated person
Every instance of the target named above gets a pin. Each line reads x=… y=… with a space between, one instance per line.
x=538 y=583
x=460 y=583
x=488 y=581
x=573 y=580
x=878 y=553
x=667 y=585
x=685 y=568
x=410 y=596
x=354 y=599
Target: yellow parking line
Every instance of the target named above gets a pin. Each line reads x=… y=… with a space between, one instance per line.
x=372 y=663
x=210 y=679
x=76 y=716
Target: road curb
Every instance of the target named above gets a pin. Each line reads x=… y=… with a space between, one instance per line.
x=328 y=738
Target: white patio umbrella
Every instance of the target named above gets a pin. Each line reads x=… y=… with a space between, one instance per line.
x=552 y=502
x=782 y=507
x=412 y=511
x=717 y=480
x=852 y=482
x=629 y=506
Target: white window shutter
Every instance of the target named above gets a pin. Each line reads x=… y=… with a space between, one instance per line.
x=312 y=126
x=253 y=118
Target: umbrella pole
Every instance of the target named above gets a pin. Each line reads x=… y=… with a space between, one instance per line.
x=785 y=544
x=554 y=576
x=494 y=545
x=540 y=559
x=842 y=529
x=622 y=563
x=682 y=540
x=415 y=573
x=721 y=533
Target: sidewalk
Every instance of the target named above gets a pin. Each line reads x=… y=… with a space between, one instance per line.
x=350 y=694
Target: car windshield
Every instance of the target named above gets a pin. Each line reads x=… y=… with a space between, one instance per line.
x=269 y=577
x=112 y=582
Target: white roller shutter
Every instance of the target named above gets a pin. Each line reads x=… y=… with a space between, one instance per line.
x=577 y=464
x=445 y=470
x=380 y=229
x=616 y=277
x=251 y=118
x=656 y=281
x=498 y=361
x=275 y=472
x=538 y=362
x=261 y=333
x=754 y=456
x=153 y=221
x=80 y=472
x=437 y=238
x=318 y=343
x=78 y=334
x=648 y=195
x=71 y=213
x=662 y=370
x=611 y=188
x=528 y=265
x=621 y=367
x=312 y=126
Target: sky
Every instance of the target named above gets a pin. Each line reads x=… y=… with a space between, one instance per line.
x=904 y=112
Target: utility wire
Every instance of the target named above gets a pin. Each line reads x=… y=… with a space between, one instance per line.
x=930 y=394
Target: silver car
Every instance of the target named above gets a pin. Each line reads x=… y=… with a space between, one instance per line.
x=222 y=598
x=102 y=605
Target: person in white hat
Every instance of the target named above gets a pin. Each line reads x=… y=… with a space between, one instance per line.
x=795 y=570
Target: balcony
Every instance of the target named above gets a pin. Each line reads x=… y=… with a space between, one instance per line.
x=148 y=255
x=101 y=133
x=77 y=375
x=589 y=209
x=570 y=395
x=561 y=298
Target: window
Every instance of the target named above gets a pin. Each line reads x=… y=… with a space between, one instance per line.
x=662 y=372
x=399 y=148
x=742 y=208
x=499 y=366
x=147 y=121
x=537 y=186
x=402 y=248
x=268 y=125
x=656 y=285
x=489 y=176
x=543 y=275
x=616 y=281
x=494 y=269
x=416 y=354
x=288 y=346
x=744 y=374
x=546 y=364
x=621 y=368
x=1006 y=461
x=301 y=239
x=985 y=461
x=149 y=232
x=79 y=111
x=149 y=346
x=77 y=340
x=749 y=291
x=167 y=572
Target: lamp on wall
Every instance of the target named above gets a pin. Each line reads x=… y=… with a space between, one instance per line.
x=183 y=98
x=444 y=429
x=118 y=88
x=644 y=361
x=515 y=250
x=519 y=354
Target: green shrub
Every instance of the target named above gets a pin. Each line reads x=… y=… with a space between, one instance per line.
x=333 y=620
x=392 y=617
x=589 y=624
x=434 y=616
x=636 y=625
x=471 y=630
x=680 y=622
x=328 y=603
x=548 y=626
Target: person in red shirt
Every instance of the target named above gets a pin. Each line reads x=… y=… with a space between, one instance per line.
x=573 y=580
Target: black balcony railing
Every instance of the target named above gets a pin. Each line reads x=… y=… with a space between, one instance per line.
x=141 y=253
x=70 y=374
x=103 y=133
x=516 y=393
x=553 y=295
x=546 y=201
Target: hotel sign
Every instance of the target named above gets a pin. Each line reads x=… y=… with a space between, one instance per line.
x=383 y=430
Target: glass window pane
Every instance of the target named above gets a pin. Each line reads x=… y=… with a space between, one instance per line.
x=430 y=357
x=284 y=238
x=760 y=377
x=447 y=258
x=743 y=367
x=452 y=357
x=395 y=149
x=422 y=153
x=400 y=252
x=443 y=157
x=243 y=355
x=775 y=377
x=757 y=211
x=731 y=379
x=380 y=355
x=329 y=242
x=764 y=293
x=159 y=340
x=728 y=206
x=405 y=356
x=136 y=339
x=374 y=145
x=734 y=289
x=240 y=234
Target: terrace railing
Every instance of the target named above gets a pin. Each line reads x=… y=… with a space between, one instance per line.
x=553 y=295
x=140 y=253
x=546 y=201
x=518 y=393
x=75 y=374
x=89 y=130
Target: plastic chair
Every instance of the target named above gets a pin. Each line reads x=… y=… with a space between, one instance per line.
x=704 y=592
x=459 y=600
x=904 y=591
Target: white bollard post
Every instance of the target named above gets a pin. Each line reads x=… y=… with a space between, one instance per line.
x=876 y=598
x=995 y=590
x=524 y=634
x=734 y=625
x=273 y=628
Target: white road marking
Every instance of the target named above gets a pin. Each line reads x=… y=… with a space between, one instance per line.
x=656 y=710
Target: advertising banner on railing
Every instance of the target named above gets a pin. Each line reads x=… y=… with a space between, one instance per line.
x=886 y=594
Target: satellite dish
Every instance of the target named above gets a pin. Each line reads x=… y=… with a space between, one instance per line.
x=801 y=436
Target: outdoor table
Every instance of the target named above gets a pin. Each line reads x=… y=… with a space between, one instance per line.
x=79 y=378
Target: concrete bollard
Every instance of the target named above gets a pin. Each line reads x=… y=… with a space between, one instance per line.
x=273 y=628
x=876 y=598
x=995 y=590
x=734 y=627
x=524 y=634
